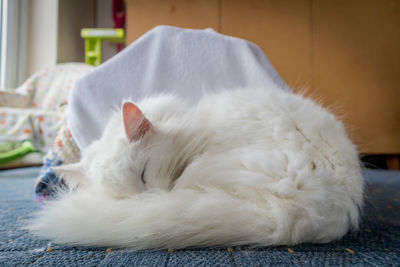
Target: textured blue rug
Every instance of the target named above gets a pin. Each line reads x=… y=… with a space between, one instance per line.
x=377 y=243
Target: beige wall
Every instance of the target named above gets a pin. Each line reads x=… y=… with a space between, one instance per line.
x=73 y=15
x=54 y=30
x=104 y=20
x=42 y=35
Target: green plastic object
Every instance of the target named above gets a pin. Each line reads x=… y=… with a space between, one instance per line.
x=94 y=37
x=20 y=151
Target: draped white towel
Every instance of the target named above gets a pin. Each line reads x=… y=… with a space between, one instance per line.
x=166 y=59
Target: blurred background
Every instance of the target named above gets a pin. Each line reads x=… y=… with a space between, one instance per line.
x=41 y=33
x=345 y=54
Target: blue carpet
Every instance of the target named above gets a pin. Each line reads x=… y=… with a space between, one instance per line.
x=376 y=244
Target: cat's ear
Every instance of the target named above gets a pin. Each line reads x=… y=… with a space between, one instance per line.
x=135 y=123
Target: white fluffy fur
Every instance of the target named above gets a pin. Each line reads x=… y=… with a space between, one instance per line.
x=259 y=167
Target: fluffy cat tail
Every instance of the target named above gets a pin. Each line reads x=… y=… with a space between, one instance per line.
x=176 y=219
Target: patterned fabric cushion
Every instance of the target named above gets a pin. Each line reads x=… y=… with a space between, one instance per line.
x=35 y=110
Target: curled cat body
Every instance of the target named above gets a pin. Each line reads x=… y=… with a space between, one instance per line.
x=242 y=167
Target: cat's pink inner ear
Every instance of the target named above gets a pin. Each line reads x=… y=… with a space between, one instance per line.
x=135 y=123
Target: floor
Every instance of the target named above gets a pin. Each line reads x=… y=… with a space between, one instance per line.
x=377 y=242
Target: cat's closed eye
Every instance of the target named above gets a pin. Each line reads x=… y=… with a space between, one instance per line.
x=144 y=182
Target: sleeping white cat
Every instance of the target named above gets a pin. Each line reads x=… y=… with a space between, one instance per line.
x=250 y=166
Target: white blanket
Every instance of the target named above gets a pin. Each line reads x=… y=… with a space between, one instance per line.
x=166 y=59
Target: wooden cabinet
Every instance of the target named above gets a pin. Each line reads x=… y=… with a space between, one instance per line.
x=345 y=54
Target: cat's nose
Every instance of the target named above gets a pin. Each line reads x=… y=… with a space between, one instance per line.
x=41 y=187
x=49 y=184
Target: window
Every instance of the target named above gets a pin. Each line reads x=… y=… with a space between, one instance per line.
x=13 y=42
x=2 y=15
